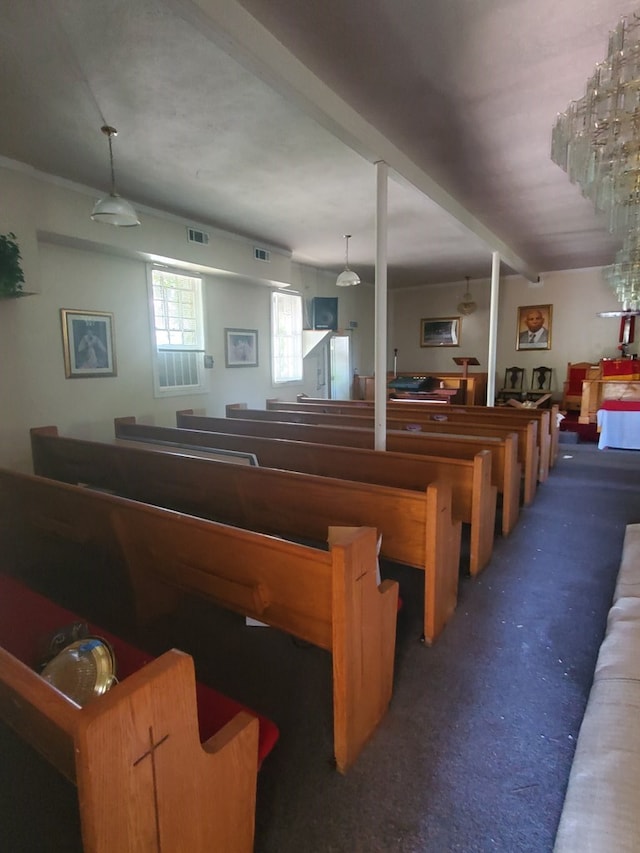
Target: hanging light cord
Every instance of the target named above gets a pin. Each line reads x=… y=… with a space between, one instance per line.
x=111 y=132
x=346 y=251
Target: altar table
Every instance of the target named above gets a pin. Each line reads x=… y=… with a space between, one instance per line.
x=619 y=424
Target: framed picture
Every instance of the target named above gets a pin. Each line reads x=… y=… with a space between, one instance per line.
x=241 y=347
x=440 y=332
x=87 y=343
x=534 y=327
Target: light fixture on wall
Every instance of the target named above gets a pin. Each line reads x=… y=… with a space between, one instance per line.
x=467 y=306
x=113 y=209
x=347 y=278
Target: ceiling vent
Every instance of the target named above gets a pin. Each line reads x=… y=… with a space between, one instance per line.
x=196 y=236
x=261 y=254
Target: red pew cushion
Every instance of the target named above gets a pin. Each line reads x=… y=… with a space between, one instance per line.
x=26 y=618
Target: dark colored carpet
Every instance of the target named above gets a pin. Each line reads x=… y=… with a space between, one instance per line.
x=475 y=751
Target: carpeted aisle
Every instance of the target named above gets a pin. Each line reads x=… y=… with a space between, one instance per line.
x=474 y=753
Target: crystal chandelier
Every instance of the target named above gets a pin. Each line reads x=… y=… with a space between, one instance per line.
x=467 y=305
x=597 y=142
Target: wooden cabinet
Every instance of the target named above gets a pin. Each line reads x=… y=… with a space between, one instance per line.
x=364 y=386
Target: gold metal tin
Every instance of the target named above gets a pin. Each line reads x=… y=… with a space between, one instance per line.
x=83 y=670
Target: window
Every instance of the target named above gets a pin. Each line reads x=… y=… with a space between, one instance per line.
x=178 y=331
x=286 y=337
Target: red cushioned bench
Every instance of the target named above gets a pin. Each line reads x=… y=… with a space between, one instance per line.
x=206 y=748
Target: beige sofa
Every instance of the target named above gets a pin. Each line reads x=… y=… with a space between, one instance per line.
x=601 y=812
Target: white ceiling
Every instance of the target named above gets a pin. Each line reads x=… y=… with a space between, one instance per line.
x=265 y=117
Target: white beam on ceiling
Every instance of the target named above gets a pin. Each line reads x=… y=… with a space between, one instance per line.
x=241 y=36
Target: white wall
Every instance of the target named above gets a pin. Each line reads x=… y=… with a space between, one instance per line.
x=70 y=262
x=576 y=296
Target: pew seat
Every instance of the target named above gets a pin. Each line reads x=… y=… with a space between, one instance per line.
x=204 y=789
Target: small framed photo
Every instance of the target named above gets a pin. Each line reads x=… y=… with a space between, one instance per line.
x=241 y=347
x=87 y=343
x=534 y=327
x=440 y=332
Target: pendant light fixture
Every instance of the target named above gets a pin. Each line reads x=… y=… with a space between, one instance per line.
x=112 y=209
x=467 y=306
x=347 y=278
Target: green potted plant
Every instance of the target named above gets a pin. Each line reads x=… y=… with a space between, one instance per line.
x=11 y=275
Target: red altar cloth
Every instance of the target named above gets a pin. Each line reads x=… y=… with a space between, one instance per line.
x=621 y=405
x=620 y=368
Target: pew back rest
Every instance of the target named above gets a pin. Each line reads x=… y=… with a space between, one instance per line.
x=277 y=502
x=417 y=528
x=506 y=471
x=400 y=470
x=329 y=598
x=473 y=496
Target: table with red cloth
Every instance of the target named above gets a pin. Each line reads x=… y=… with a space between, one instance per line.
x=619 y=424
x=620 y=368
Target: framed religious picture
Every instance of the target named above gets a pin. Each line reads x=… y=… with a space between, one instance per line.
x=87 y=343
x=534 y=327
x=440 y=332
x=241 y=347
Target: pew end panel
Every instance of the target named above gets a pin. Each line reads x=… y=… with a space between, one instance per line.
x=443 y=562
x=364 y=630
x=201 y=796
x=483 y=513
x=146 y=736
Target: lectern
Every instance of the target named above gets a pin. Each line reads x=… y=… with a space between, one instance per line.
x=464 y=361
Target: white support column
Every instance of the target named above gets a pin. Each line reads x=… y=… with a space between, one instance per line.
x=380 y=344
x=493 y=328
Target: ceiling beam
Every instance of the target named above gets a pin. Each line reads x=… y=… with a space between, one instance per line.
x=240 y=35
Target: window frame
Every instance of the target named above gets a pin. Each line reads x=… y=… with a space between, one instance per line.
x=296 y=336
x=160 y=391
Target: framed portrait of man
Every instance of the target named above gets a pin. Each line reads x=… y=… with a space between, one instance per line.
x=534 y=327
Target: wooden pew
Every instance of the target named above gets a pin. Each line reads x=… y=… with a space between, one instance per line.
x=548 y=425
x=328 y=598
x=528 y=452
x=199 y=796
x=505 y=468
x=473 y=496
x=417 y=528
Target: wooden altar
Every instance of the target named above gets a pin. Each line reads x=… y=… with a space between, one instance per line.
x=612 y=379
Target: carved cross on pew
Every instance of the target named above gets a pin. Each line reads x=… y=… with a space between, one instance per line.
x=151 y=753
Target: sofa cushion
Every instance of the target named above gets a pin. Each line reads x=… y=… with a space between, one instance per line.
x=600 y=812
x=618 y=656
x=628 y=582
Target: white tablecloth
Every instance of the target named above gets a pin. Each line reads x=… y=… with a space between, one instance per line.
x=619 y=429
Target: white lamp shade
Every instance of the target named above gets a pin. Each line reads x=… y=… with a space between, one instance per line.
x=114 y=210
x=347 y=278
